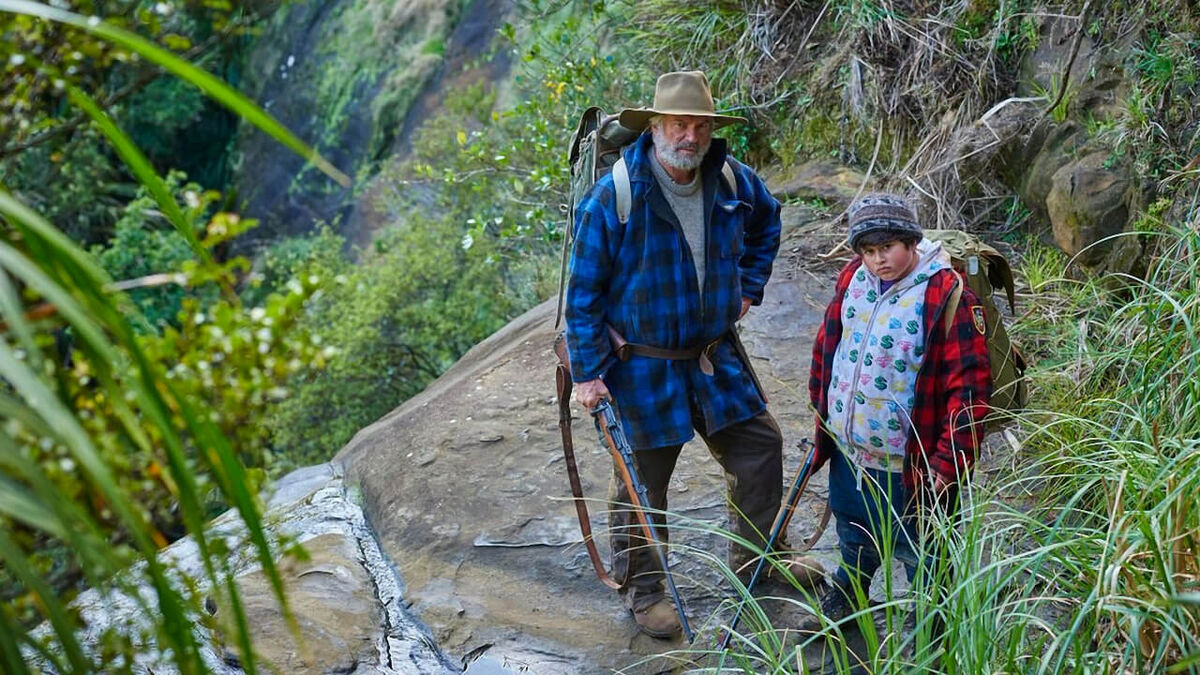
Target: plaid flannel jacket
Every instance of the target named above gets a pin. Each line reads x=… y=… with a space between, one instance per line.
x=952 y=388
x=640 y=278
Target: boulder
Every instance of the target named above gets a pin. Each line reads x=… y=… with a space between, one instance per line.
x=1089 y=201
x=824 y=179
x=1030 y=166
x=1097 y=80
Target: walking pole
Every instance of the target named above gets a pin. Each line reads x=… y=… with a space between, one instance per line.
x=781 y=521
x=614 y=438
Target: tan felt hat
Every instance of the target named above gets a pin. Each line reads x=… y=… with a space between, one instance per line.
x=679 y=93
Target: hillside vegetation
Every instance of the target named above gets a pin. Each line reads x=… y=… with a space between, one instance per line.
x=1084 y=554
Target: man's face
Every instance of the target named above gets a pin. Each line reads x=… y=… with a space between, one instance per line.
x=681 y=141
x=891 y=260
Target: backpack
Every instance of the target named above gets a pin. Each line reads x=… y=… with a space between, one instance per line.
x=594 y=152
x=985 y=269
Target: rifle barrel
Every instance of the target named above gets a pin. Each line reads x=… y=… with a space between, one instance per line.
x=781 y=521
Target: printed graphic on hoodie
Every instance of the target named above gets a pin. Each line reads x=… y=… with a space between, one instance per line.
x=880 y=352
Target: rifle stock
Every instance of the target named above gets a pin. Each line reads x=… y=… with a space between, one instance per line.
x=614 y=439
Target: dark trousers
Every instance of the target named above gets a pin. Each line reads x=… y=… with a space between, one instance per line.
x=880 y=509
x=751 y=452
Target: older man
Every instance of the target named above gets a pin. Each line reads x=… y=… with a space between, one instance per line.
x=692 y=256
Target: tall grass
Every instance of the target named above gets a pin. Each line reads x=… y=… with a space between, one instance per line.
x=104 y=528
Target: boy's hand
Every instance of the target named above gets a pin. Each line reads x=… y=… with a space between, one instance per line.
x=940 y=484
x=746 y=302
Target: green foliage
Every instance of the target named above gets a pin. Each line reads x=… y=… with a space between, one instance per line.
x=144 y=244
x=289 y=258
x=237 y=361
x=1118 y=435
x=61 y=166
x=104 y=452
x=391 y=324
x=476 y=222
x=75 y=184
x=95 y=457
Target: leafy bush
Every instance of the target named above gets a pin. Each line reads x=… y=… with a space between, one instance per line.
x=412 y=306
x=144 y=243
x=103 y=455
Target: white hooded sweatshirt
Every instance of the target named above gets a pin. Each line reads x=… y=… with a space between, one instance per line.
x=882 y=347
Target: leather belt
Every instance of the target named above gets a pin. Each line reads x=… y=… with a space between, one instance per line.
x=703 y=353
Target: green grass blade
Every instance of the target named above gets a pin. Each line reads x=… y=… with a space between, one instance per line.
x=16 y=502
x=209 y=84
x=11 y=658
x=10 y=306
x=78 y=527
x=75 y=438
x=145 y=387
x=14 y=559
x=59 y=248
x=141 y=168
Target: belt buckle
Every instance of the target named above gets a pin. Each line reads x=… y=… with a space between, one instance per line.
x=705 y=359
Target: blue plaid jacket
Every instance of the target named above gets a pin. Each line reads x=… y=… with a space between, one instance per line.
x=641 y=279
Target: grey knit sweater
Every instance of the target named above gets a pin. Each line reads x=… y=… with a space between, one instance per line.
x=687 y=202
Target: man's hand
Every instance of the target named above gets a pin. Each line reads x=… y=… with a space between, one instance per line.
x=590 y=393
x=746 y=302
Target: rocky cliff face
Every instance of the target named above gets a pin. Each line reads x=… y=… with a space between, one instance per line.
x=354 y=78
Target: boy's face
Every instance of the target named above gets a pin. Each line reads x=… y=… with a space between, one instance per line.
x=891 y=260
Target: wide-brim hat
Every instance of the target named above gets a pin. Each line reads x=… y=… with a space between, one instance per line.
x=679 y=93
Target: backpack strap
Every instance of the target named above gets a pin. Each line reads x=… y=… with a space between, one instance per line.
x=620 y=174
x=730 y=179
x=952 y=304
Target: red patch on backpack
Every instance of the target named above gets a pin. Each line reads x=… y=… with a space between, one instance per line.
x=977 y=316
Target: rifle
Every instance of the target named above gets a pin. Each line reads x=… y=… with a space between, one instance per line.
x=613 y=437
x=780 y=525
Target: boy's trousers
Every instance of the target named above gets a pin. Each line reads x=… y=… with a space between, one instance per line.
x=877 y=511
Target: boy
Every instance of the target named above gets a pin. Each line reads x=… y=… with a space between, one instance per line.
x=900 y=394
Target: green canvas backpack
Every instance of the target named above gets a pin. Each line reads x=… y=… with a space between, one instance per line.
x=984 y=269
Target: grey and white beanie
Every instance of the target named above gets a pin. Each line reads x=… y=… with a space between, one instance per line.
x=881 y=212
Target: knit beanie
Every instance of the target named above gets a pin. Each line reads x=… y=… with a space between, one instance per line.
x=881 y=213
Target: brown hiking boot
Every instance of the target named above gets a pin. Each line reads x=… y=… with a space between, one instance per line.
x=808 y=571
x=659 y=620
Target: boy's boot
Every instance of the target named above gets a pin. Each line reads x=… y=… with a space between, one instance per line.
x=835 y=606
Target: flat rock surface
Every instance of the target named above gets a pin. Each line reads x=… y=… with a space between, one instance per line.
x=466 y=489
x=345 y=596
x=333 y=601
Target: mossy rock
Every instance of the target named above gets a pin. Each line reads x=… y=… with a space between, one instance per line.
x=1089 y=203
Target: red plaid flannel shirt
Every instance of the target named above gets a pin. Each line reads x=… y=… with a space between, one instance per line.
x=952 y=387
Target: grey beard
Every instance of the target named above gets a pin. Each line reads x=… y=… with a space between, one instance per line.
x=671 y=156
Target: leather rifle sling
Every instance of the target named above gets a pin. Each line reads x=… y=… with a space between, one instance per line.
x=787 y=510
x=563 y=381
